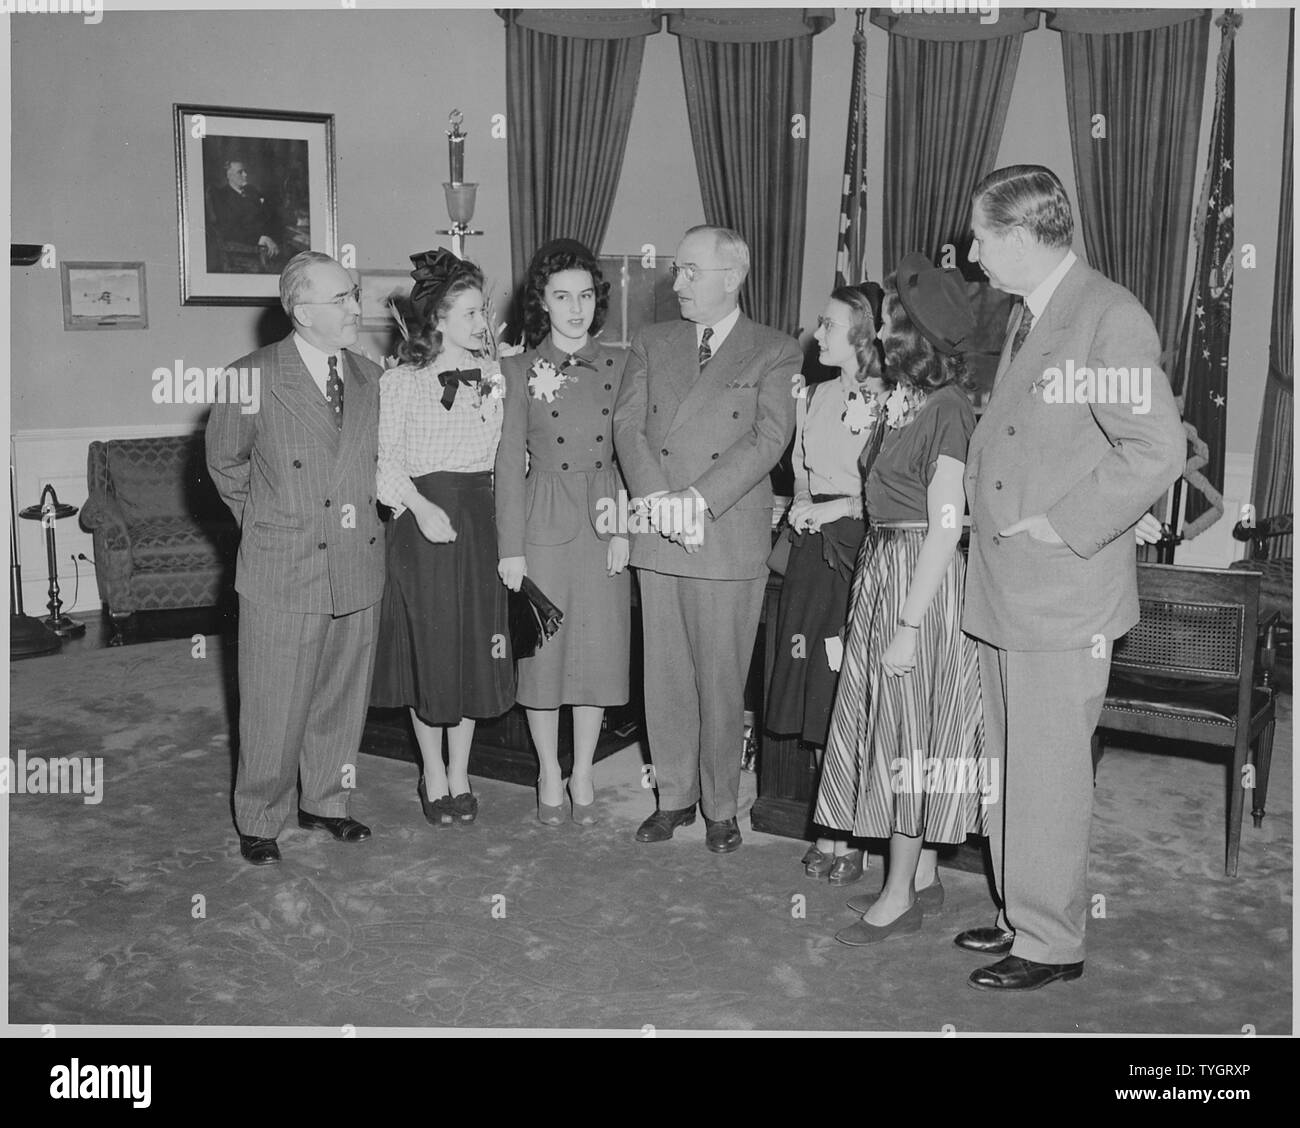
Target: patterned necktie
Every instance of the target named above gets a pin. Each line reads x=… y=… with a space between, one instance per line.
x=1022 y=331
x=450 y=381
x=705 y=351
x=334 y=392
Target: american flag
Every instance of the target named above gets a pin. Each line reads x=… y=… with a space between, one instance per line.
x=1201 y=376
x=850 y=250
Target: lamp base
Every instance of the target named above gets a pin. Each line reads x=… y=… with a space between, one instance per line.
x=29 y=637
x=64 y=626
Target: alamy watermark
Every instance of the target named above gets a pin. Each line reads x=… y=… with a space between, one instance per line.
x=988 y=10
x=1081 y=384
x=179 y=384
x=62 y=775
x=91 y=10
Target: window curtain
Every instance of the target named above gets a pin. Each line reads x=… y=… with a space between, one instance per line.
x=1144 y=71
x=748 y=75
x=571 y=79
x=950 y=79
x=1273 y=487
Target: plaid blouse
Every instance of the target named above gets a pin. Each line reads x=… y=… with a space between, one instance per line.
x=417 y=435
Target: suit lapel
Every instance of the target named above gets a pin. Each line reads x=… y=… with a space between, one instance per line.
x=297 y=391
x=726 y=365
x=357 y=414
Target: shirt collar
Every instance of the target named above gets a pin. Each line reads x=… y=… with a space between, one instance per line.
x=1037 y=301
x=549 y=351
x=721 y=330
x=315 y=360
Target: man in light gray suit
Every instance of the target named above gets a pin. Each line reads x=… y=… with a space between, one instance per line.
x=705 y=411
x=299 y=476
x=1080 y=438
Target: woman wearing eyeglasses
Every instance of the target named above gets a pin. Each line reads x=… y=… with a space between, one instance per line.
x=444 y=649
x=833 y=424
x=904 y=754
x=558 y=524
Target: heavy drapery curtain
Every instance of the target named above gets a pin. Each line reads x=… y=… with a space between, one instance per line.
x=748 y=75
x=1273 y=487
x=571 y=79
x=950 y=79
x=1134 y=84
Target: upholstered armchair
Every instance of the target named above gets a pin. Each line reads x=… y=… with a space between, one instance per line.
x=163 y=538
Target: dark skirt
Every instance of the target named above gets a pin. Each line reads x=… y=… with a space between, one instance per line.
x=814 y=607
x=444 y=629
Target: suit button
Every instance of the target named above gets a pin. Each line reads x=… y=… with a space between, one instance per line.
x=372 y=540
x=609 y=363
x=559 y=438
x=655 y=409
x=664 y=451
x=997 y=485
x=604 y=411
x=555 y=415
x=564 y=465
x=735 y=415
x=715 y=457
x=600 y=438
x=609 y=387
x=598 y=465
x=297 y=465
x=327 y=503
x=1011 y=430
x=321 y=545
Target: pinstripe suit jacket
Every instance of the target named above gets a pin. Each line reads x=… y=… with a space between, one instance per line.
x=721 y=431
x=302 y=491
x=1092 y=468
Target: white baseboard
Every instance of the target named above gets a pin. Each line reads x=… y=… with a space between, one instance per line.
x=57 y=457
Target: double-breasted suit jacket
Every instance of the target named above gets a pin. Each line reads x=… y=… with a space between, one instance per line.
x=720 y=430
x=1047 y=615
x=309 y=573
x=303 y=491
x=560 y=516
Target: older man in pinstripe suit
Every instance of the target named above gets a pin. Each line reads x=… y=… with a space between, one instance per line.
x=299 y=476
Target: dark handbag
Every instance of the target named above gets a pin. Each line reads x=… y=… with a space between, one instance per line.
x=778 y=559
x=533 y=619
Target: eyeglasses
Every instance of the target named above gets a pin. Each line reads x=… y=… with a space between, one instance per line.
x=353 y=295
x=826 y=323
x=691 y=270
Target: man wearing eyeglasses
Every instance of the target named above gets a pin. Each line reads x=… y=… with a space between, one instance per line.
x=299 y=476
x=704 y=413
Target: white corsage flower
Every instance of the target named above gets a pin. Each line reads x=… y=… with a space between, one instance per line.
x=544 y=380
x=901 y=406
x=860 y=411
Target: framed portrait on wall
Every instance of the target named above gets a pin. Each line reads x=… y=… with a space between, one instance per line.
x=253 y=188
x=104 y=295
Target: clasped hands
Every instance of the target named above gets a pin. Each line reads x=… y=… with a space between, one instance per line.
x=677 y=516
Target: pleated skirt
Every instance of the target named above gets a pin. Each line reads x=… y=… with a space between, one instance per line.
x=905 y=754
x=814 y=607
x=444 y=628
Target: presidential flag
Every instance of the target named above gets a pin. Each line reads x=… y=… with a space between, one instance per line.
x=851 y=248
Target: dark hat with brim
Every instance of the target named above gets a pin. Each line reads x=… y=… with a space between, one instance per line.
x=937 y=302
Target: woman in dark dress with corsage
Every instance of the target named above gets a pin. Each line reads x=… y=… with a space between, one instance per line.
x=558 y=495
x=904 y=756
x=833 y=424
x=444 y=634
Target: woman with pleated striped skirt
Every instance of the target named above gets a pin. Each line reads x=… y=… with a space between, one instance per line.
x=903 y=758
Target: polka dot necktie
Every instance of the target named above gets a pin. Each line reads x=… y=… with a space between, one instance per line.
x=334 y=392
x=1022 y=331
x=705 y=351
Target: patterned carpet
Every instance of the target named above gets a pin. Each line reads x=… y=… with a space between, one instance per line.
x=137 y=910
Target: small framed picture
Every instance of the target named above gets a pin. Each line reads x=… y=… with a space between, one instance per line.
x=104 y=295
x=253 y=189
x=377 y=286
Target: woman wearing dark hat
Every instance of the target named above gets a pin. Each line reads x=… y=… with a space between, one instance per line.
x=833 y=424
x=443 y=647
x=902 y=758
x=559 y=523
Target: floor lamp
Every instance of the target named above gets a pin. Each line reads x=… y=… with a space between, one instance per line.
x=27 y=636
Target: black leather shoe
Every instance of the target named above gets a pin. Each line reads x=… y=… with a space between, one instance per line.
x=722 y=836
x=344 y=828
x=1016 y=974
x=259 y=851
x=659 y=827
x=988 y=941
